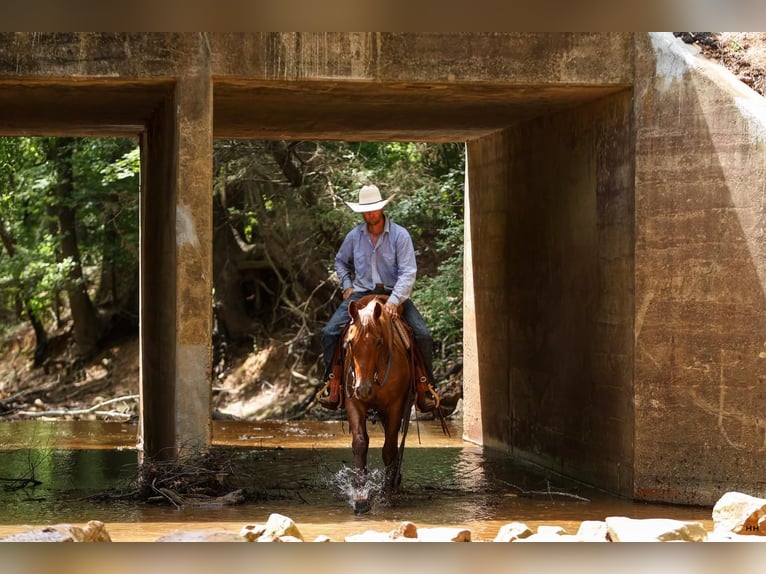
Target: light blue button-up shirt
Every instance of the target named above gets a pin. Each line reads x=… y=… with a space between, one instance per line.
x=361 y=265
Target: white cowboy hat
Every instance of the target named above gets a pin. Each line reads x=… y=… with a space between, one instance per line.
x=369 y=200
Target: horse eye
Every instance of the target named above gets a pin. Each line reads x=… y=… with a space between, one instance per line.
x=379 y=342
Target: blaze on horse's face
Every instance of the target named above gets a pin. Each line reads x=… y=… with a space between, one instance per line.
x=364 y=343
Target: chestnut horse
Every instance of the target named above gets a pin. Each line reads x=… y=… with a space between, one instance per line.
x=377 y=379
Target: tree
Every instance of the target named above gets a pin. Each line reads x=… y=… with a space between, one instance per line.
x=69 y=227
x=88 y=327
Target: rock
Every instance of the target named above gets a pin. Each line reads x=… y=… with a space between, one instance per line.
x=47 y=534
x=287 y=538
x=623 y=529
x=323 y=538
x=405 y=530
x=444 y=534
x=551 y=533
x=277 y=526
x=513 y=531
x=252 y=532
x=740 y=513
x=725 y=536
x=550 y=530
x=592 y=531
x=94 y=531
x=408 y=532
x=372 y=536
x=206 y=535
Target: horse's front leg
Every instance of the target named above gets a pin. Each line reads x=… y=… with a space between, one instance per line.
x=392 y=424
x=360 y=443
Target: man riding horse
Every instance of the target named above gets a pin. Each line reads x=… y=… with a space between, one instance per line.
x=376 y=257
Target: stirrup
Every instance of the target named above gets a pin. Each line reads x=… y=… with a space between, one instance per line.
x=330 y=395
x=422 y=404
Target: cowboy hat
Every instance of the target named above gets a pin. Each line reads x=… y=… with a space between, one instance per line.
x=369 y=200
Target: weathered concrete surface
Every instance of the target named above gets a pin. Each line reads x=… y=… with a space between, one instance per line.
x=700 y=359
x=549 y=294
x=615 y=269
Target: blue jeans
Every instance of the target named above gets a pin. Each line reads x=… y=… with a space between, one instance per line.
x=334 y=327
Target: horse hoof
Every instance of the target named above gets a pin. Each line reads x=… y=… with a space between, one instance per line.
x=361 y=506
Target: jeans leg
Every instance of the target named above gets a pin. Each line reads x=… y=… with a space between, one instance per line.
x=422 y=335
x=332 y=330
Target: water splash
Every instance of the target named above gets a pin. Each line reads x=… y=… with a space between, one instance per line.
x=344 y=482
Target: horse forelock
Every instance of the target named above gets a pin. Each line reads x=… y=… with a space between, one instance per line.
x=367 y=315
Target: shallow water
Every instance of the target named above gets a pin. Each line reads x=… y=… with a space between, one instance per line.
x=303 y=470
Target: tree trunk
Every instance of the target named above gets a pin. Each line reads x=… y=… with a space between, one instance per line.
x=227 y=279
x=87 y=325
x=41 y=336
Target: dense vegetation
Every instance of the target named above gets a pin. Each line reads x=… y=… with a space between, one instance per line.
x=69 y=228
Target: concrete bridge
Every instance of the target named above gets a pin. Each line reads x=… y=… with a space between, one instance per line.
x=615 y=314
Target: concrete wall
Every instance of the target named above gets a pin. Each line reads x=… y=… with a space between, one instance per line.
x=700 y=359
x=550 y=243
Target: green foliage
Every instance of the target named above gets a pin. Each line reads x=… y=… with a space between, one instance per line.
x=105 y=179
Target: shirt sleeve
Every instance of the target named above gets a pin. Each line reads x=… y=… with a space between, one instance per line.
x=408 y=268
x=344 y=265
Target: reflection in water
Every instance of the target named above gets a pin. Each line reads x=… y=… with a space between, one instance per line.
x=300 y=469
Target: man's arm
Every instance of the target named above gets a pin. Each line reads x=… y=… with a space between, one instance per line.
x=344 y=265
x=407 y=268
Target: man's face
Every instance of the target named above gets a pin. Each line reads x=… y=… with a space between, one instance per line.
x=373 y=217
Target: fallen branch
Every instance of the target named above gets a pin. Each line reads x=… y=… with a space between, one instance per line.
x=547 y=492
x=90 y=410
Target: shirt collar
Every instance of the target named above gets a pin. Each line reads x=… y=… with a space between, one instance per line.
x=386 y=226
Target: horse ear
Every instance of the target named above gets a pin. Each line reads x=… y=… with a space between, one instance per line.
x=353 y=310
x=378 y=310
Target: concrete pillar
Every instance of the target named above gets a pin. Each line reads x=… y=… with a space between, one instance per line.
x=176 y=267
x=485 y=303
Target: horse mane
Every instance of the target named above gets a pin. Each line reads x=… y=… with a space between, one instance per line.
x=366 y=322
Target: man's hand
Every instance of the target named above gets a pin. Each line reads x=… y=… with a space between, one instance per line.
x=392 y=309
x=347 y=293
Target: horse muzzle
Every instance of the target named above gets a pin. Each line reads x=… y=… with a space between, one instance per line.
x=363 y=390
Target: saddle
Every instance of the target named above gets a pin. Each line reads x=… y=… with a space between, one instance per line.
x=331 y=395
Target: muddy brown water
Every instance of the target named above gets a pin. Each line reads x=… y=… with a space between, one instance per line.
x=303 y=470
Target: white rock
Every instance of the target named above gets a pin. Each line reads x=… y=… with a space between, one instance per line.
x=623 y=529
x=252 y=532
x=740 y=513
x=287 y=538
x=279 y=525
x=206 y=535
x=93 y=531
x=513 y=531
x=550 y=537
x=373 y=536
x=546 y=530
x=592 y=531
x=444 y=534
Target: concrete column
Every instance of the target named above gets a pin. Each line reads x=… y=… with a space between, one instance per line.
x=176 y=268
x=194 y=244
x=485 y=316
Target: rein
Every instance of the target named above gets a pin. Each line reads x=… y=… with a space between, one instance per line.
x=390 y=349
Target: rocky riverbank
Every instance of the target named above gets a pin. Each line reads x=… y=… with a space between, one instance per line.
x=737 y=517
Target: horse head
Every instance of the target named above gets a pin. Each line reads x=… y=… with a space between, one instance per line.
x=366 y=348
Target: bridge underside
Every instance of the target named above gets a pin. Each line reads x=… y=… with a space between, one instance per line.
x=611 y=224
